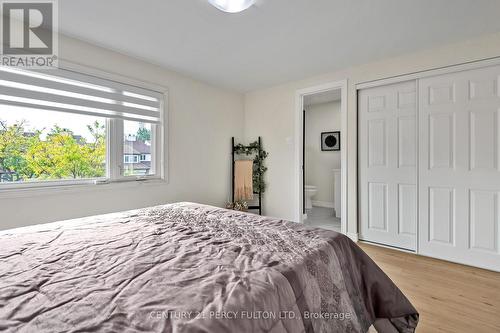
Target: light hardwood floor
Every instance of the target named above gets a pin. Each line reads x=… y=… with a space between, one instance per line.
x=449 y=297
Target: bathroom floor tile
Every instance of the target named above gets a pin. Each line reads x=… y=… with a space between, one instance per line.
x=322 y=217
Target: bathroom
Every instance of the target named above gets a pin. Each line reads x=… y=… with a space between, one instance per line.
x=322 y=160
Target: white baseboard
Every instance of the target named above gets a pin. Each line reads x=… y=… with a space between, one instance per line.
x=325 y=204
x=353 y=236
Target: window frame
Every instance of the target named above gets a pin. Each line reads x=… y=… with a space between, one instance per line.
x=156 y=147
x=114 y=142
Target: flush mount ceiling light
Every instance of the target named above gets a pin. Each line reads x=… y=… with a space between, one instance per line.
x=231 y=6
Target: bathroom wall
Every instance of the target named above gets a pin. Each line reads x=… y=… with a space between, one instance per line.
x=319 y=164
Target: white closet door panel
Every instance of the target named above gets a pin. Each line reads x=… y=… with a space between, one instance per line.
x=377 y=145
x=459 y=175
x=442 y=215
x=484 y=221
x=484 y=139
x=407 y=145
x=407 y=210
x=388 y=159
x=377 y=207
x=442 y=141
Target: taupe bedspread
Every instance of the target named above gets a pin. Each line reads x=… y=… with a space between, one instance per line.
x=192 y=268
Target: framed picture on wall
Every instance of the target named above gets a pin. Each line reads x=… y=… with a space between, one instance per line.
x=330 y=141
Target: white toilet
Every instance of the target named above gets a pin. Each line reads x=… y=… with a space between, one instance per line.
x=310 y=191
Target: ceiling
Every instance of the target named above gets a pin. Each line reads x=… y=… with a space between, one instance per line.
x=274 y=41
x=322 y=97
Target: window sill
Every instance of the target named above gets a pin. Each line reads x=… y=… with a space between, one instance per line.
x=76 y=187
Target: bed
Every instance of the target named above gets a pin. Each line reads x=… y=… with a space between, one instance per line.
x=187 y=267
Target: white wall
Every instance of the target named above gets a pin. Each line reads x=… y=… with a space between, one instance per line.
x=276 y=105
x=202 y=120
x=319 y=164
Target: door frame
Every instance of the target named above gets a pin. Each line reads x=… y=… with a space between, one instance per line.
x=299 y=155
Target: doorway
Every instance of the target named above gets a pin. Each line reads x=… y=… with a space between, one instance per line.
x=321 y=156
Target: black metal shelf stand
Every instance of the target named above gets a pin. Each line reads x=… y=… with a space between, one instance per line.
x=259 y=193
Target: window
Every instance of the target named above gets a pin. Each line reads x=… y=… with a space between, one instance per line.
x=131 y=159
x=62 y=126
x=136 y=144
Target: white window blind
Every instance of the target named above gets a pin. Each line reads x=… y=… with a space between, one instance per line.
x=68 y=91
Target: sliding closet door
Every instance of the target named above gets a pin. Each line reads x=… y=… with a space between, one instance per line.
x=387 y=164
x=459 y=177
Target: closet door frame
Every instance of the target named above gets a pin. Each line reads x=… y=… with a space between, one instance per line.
x=429 y=72
x=453 y=68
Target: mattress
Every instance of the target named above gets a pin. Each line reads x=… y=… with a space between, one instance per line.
x=187 y=267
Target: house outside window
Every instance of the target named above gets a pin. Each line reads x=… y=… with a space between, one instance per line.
x=137 y=146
